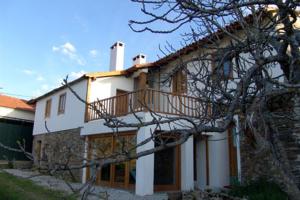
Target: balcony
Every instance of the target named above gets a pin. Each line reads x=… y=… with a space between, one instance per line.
x=143 y=101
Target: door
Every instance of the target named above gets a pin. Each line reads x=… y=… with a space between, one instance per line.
x=119 y=175
x=167 y=168
x=140 y=88
x=124 y=173
x=121 y=102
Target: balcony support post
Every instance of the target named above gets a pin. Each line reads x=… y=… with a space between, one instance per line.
x=144 y=165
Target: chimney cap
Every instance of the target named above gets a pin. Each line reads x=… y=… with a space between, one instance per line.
x=143 y=56
x=118 y=43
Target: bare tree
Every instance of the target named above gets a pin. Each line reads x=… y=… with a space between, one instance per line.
x=261 y=39
x=245 y=56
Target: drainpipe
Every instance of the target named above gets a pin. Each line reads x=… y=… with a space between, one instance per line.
x=238 y=149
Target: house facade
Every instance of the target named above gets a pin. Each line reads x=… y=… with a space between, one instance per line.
x=207 y=161
x=16 y=124
x=63 y=121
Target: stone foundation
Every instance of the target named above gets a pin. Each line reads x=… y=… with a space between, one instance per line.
x=61 y=149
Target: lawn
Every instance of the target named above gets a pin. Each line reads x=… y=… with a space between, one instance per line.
x=14 y=188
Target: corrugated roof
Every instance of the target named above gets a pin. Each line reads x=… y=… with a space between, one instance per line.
x=15 y=103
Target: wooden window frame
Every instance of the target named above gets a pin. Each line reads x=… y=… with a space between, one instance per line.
x=126 y=184
x=48 y=108
x=179 y=82
x=215 y=58
x=62 y=103
x=111 y=182
x=176 y=186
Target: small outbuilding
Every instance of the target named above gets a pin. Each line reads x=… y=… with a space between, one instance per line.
x=16 y=124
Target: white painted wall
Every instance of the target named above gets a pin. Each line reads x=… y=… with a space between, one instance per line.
x=122 y=83
x=74 y=111
x=16 y=113
x=218 y=160
x=187 y=165
x=100 y=88
x=73 y=117
x=106 y=87
x=144 y=165
x=98 y=127
x=201 y=164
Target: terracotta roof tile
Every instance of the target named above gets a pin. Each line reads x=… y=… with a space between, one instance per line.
x=15 y=103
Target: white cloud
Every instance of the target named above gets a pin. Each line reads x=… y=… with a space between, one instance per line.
x=54 y=48
x=40 y=78
x=29 y=71
x=69 y=50
x=74 y=75
x=32 y=73
x=93 y=53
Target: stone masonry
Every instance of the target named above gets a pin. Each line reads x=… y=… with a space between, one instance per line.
x=286 y=120
x=60 y=149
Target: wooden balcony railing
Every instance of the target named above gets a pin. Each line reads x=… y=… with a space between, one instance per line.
x=145 y=100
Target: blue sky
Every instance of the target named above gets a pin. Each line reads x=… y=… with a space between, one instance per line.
x=42 y=41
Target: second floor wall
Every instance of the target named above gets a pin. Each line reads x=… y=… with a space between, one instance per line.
x=63 y=112
x=105 y=87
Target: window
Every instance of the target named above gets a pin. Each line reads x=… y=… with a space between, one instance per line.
x=121 y=174
x=179 y=82
x=222 y=66
x=48 y=108
x=62 y=103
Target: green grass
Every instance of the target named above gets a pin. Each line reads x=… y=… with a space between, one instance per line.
x=259 y=190
x=14 y=188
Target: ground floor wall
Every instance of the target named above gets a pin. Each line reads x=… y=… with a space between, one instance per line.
x=212 y=161
x=61 y=148
x=201 y=162
x=170 y=169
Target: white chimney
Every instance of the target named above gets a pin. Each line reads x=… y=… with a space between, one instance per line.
x=139 y=59
x=117 y=57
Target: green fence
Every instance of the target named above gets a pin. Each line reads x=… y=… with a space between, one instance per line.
x=12 y=131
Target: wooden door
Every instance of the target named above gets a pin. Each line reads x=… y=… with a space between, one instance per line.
x=121 y=102
x=119 y=175
x=140 y=84
x=167 y=169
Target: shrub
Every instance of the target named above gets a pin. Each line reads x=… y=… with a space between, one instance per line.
x=259 y=190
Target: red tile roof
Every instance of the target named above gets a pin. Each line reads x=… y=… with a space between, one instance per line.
x=15 y=103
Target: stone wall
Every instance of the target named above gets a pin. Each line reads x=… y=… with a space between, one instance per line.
x=285 y=111
x=60 y=149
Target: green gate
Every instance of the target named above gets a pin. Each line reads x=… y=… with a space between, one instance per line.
x=12 y=131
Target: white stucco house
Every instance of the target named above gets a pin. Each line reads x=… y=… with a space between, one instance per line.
x=210 y=161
